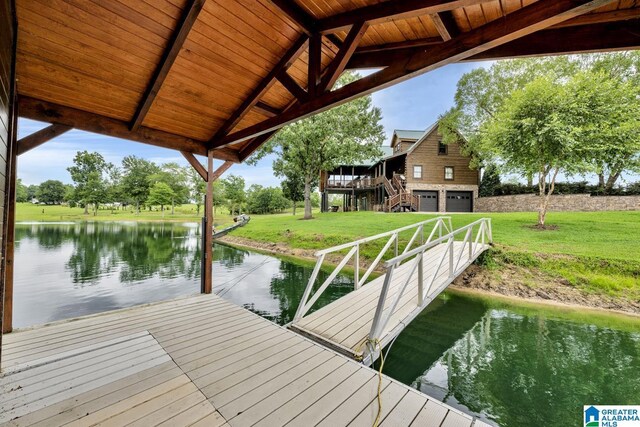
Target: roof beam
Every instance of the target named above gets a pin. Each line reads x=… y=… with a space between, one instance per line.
x=389 y=10
x=169 y=56
x=314 y=64
x=45 y=111
x=429 y=41
x=297 y=15
x=266 y=109
x=623 y=35
x=265 y=84
x=196 y=165
x=535 y=17
x=445 y=24
x=339 y=63
x=40 y=137
x=221 y=169
x=292 y=86
x=602 y=17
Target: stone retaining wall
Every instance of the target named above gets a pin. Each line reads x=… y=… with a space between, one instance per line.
x=558 y=203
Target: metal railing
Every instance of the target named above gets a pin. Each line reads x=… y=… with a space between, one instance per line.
x=450 y=259
x=441 y=226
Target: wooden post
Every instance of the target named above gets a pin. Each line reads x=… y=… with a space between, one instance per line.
x=7 y=324
x=207 y=251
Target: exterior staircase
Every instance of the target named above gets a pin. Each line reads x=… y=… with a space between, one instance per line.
x=399 y=198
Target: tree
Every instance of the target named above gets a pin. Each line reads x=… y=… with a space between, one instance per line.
x=293 y=189
x=51 y=192
x=160 y=194
x=490 y=181
x=536 y=131
x=135 y=179
x=89 y=175
x=261 y=200
x=32 y=190
x=234 y=193
x=176 y=177
x=482 y=92
x=345 y=134
x=22 y=194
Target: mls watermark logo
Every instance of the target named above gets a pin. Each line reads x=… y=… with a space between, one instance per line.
x=612 y=416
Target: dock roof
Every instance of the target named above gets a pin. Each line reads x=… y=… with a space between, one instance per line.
x=199 y=75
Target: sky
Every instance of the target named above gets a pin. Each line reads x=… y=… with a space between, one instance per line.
x=414 y=104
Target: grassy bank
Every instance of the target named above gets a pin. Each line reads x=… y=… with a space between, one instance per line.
x=597 y=253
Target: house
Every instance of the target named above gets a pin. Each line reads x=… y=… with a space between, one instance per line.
x=416 y=173
x=591 y=416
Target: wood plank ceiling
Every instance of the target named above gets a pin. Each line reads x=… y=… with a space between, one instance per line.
x=194 y=75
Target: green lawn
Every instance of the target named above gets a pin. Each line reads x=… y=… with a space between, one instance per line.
x=598 y=252
x=610 y=235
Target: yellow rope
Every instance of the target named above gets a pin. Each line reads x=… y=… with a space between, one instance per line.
x=377 y=420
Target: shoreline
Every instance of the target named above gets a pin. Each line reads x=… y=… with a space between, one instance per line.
x=512 y=284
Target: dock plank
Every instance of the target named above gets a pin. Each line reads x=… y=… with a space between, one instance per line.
x=159 y=367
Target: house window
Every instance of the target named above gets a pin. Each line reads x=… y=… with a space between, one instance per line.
x=442 y=148
x=417 y=172
x=448 y=173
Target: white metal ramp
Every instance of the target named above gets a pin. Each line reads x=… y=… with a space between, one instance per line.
x=364 y=321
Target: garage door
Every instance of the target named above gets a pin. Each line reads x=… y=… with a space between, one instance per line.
x=428 y=200
x=459 y=201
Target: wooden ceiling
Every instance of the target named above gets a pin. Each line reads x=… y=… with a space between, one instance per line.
x=194 y=75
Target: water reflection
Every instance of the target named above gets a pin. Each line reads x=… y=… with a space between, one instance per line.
x=516 y=369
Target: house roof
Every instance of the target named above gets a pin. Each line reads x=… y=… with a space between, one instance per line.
x=225 y=75
x=408 y=134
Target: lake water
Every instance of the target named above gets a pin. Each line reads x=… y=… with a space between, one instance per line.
x=511 y=364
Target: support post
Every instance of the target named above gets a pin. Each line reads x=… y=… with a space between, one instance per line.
x=7 y=324
x=207 y=251
x=420 y=280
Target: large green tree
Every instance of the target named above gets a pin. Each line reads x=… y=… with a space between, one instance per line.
x=22 y=195
x=349 y=133
x=537 y=130
x=293 y=188
x=51 y=192
x=90 y=175
x=482 y=93
x=135 y=179
x=160 y=194
x=234 y=193
x=177 y=178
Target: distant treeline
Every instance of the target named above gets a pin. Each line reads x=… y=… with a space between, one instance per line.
x=141 y=184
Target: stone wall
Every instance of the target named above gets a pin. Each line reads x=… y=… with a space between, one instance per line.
x=558 y=203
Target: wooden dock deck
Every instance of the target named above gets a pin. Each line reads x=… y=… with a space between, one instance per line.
x=197 y=361
x=361 y=323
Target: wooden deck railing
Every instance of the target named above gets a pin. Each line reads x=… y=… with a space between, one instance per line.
x=440 y=226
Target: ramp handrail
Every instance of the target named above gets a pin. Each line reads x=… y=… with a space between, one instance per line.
x=454 y=254
x=441 y=224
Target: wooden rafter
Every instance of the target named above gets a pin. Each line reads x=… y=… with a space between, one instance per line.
x=45 y=111
x=445 y=24
x=314 y=64
x=429 y=41
x=221 y=169
x=166 y=62
x=40 y=137
x=285 y=62
x=623 y=35
x=388 y=10
x=297 y=15
x=292 y=86
x=266 y=109
x=601 y=18
x=339 y=63
x=202 y=171
x=532 y=18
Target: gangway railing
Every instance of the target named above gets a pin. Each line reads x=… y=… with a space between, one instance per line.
x=450 y=262
x=435 y=227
